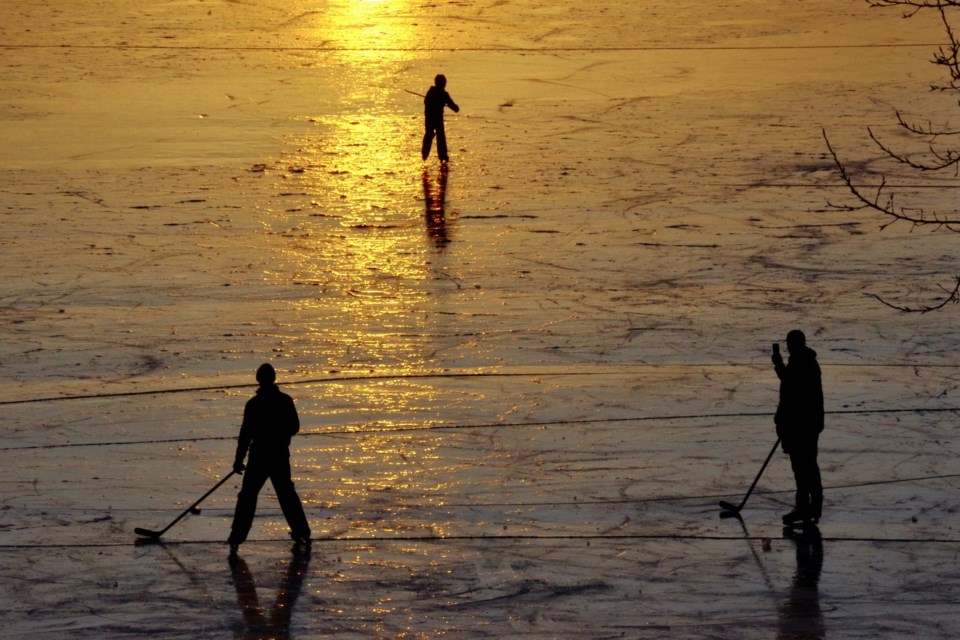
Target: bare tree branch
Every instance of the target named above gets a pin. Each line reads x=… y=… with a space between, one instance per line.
x=883 y=203
x=943 y=159
x=951 y=297
x=915 y=4
x=943 y=152
x=921 y=130
x=949 y=57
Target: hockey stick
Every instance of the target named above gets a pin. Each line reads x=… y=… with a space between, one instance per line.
x=149 y=533
x=732 y=510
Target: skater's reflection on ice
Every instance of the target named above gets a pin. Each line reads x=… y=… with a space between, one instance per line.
x=800 y=613
x=261 y=624
x=435 y=204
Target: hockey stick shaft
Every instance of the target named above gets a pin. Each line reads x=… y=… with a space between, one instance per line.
x=156 y=534
x=729 y=507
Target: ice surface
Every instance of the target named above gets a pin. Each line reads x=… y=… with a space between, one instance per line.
x=518 y=415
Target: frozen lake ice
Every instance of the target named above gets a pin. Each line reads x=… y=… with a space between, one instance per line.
x=521 y=408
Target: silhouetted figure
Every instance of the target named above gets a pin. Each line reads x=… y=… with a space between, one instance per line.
x=799 y=422
x=275 y=623
x=433 y=104
x=435 y=204
x=269 y=421
x=801 y=617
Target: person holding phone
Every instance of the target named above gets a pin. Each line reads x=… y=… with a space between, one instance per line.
x=799 y=421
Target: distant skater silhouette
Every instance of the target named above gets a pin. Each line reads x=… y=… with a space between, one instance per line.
x=275 y=623
x=269 y=421
x=433 y=103
x=435 y=206
x=799 y=421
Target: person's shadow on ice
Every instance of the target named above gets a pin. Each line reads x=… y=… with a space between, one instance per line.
x=273 y=624
x=435 y=205
x=800 y=614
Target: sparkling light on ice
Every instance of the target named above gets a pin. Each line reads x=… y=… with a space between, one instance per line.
x=521 y=399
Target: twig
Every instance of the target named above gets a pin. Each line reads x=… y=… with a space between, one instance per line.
x=951 y=297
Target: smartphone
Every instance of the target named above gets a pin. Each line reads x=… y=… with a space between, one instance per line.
x=776 y=348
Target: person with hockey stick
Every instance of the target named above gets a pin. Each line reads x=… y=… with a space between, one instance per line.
x=433 y=104
x=269 y=421
x=799 y=421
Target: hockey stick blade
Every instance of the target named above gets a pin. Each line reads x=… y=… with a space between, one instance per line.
x=148 y=533
x=729 y=508
x=725 y=515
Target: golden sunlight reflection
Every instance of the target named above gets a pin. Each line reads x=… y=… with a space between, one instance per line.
x=380 y=473
x=374 y=31
x=368 y=249
x=363 y=236
x=370 y=301
x=363 y=240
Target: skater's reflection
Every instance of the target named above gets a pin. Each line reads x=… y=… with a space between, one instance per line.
x=800 y=613
x=435 y=202
x=275 y=623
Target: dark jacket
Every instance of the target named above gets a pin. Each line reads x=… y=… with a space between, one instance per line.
x=434 y=102
x=800 y=411
x=269 y=421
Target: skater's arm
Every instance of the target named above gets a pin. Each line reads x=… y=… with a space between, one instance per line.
x=293 y=420
x=238 y=465
x=453 y=105
x=243 y=442
x=778 y=365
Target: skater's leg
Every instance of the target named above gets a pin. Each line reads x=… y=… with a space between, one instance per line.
x=442 y=143
x=806 y=472
x=253 y=479
x=812 y=482
x=427 y=141
x=800 y=511
x=289 y=501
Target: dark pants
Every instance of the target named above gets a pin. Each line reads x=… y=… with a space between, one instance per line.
x=806 y=472
x=277 y=469
x=434 y=128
